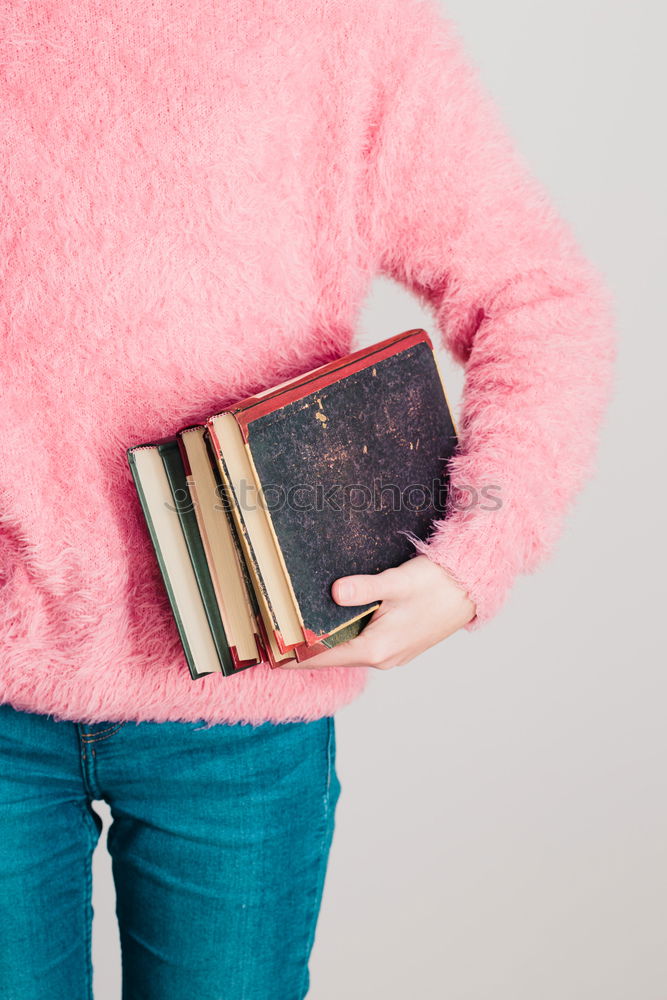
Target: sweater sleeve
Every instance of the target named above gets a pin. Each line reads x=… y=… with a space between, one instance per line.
x=458 y=218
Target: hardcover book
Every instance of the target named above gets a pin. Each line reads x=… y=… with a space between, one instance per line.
x=255 y=513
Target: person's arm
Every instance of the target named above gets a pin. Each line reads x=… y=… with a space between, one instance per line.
x=456 y=216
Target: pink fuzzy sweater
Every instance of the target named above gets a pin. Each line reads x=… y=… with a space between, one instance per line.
x=194 y=200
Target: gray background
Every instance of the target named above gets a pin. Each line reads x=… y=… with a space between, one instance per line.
x=502 y=831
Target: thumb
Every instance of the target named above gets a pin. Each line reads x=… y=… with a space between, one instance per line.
x=365 y=587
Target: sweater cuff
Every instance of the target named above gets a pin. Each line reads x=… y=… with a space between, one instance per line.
x=466 y=553
x=479 y=545
x=468 y=566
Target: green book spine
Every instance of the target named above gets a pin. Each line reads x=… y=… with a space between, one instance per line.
x=194 y=673
x=173 y=465
x=347 y=632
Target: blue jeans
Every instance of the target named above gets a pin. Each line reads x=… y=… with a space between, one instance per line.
x=219 y=843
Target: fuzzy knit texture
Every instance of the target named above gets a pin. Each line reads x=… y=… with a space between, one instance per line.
x=195 y=197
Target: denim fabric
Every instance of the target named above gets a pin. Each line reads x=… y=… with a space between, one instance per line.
x=219 y=845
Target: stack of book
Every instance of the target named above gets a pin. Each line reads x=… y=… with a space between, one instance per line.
x=255 y=512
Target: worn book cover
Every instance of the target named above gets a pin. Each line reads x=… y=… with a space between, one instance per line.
x=345 y=460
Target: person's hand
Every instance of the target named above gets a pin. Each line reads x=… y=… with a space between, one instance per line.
x=421 y=605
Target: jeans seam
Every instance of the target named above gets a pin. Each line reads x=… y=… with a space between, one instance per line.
x=87 y=904
x=323 y=858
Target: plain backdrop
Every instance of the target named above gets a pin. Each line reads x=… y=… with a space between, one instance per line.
x=502 y=829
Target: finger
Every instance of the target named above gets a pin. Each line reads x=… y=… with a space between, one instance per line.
x=364 y=588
